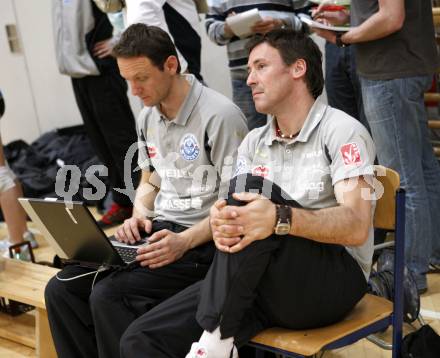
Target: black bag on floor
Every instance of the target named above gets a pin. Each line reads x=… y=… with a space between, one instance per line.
x=381 y=284
x=423 y=343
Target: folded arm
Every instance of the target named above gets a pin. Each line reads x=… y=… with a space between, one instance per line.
x=346 y=224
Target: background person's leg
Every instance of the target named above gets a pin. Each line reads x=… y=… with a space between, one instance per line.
x=242 y=97
x=117 y=125
x=13 y=212
x=110 y=125
x=338 y=83
x=431 y=174
x=392 y=109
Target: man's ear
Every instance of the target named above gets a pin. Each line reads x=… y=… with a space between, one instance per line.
x=299 y=68
x=171 y=64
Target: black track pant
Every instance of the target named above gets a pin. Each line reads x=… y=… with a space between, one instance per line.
x=280 y=281
x=89 y=323
x=110 y=125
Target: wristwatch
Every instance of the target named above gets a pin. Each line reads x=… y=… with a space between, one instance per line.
x=339 y=42
x=282 y=221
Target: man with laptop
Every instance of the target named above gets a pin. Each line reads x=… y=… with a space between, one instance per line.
x=188 y=138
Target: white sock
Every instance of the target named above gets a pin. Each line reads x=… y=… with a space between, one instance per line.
x=217 y=347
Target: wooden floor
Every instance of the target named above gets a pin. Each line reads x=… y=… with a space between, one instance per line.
x=362 y=349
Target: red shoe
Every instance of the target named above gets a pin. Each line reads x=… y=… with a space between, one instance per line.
x=115 y=216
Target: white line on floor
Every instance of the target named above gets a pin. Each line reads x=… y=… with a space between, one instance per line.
x=430 y=314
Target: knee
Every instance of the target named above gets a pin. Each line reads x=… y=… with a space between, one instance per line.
x=53 y=291
x=101 y=293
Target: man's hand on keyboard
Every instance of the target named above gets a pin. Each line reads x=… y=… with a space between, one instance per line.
x=164 y=248
x=130 y=231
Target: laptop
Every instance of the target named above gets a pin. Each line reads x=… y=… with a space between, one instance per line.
x=74 y=234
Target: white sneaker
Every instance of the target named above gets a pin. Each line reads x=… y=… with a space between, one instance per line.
x=4 y=245
x=27 y=236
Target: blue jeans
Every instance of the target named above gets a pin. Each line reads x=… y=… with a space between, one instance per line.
x=342 y=82
x=397 y=117
x=242 y=97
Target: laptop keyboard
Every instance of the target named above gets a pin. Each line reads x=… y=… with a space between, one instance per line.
x=128 y=254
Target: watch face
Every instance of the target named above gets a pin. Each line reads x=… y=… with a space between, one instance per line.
x=282 y=229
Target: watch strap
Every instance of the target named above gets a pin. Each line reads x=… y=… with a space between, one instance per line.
x=339 y=41
x=283 y=214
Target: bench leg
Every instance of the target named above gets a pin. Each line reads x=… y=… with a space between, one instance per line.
x=45 y=347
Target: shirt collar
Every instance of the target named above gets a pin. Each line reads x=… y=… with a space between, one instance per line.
x=315 y=115
x=188 y=104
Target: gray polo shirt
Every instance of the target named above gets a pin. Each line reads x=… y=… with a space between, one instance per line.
x=331 y=146
x=192 y=154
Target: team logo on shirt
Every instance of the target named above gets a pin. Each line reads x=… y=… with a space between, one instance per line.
x=350 y=154
x=261 y=171
x=189 y=148
x=152 y=150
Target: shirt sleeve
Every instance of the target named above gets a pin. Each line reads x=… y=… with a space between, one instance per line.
x=300 y=7
x=215 y=22
x=292 y=21
x=225 y=134
x=150 y=12
x=349 y=146
x=144 y=161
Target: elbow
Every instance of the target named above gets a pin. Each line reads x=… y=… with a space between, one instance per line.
x=396 y=22
x=361 y=229
x=360 y=236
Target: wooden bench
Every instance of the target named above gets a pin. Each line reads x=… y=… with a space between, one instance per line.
x=25 y=282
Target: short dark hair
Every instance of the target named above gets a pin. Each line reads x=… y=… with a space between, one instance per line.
x=292 y=46
x=149 y=41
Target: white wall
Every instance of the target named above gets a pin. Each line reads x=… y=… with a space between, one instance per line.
x=19 y=120
x=33 y=74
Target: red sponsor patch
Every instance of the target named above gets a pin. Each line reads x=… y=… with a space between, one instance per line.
x=350 y=154
x=260 y=171
x=152 y=151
